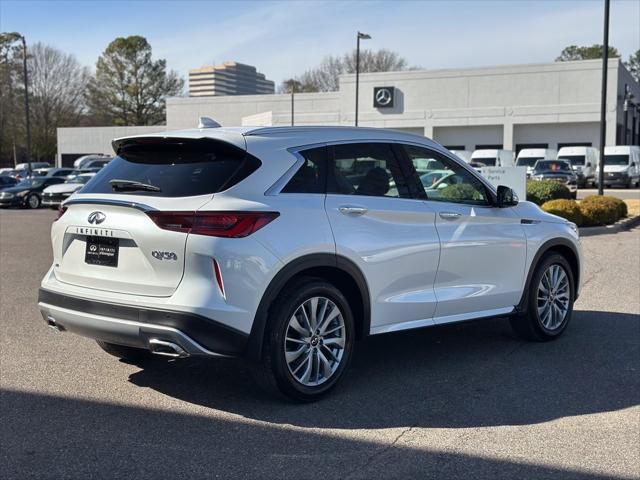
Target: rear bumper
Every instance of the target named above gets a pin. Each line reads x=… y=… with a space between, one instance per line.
x=140 y=327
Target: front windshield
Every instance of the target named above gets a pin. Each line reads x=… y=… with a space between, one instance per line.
x=552 y=166
x=574 y=159
x=487 y=162
x=616 y=159
x=527 y=161
x=29 y=183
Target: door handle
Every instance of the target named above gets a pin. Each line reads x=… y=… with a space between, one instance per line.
x=450 y=215
x=351 y=210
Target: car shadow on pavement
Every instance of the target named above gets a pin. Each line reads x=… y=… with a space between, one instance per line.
x=468 y=375
x=47 y=436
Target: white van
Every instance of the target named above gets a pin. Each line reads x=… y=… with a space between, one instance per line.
x=493 y=158
x=527 y=157
x=463 y=154
x=621 y=166
x=584 y=161
x=34 y=165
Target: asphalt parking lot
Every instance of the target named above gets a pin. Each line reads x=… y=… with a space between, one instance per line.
x=463 y=401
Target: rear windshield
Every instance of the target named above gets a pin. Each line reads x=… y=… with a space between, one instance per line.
x=574 y=159
x=173 y=168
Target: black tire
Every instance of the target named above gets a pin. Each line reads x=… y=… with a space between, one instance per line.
x=529 y=325
x=273 y=374
x=128 y=354
x=33 y=201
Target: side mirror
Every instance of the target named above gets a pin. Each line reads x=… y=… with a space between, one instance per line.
x=506 y=197
x=588 y=165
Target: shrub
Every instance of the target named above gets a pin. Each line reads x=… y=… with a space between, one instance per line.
x=460 y=192
x=612 y=202
x=568 y=209
x=542 y=191
x=598 y=213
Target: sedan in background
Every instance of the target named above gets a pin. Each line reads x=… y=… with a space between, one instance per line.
x=27 y=193
x=6 y=181
x=556 y=170
x=52 y=172
x=54 y=195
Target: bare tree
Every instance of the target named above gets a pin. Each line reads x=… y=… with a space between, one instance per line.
x=58 y=83
x=325 y=77
x=11 y=115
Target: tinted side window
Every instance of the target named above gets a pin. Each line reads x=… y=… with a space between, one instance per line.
x=311 y=177
x=369 y=169
x=444 y=180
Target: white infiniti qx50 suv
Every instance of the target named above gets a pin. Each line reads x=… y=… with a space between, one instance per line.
x=286 y=244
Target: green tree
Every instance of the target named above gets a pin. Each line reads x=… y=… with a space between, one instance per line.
x=129 y=87
x=634 y=65
x=325 y=77
x=574 y=52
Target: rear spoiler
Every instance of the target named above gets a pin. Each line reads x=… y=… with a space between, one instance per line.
x=133 y=144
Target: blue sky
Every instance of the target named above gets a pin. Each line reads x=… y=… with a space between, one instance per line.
x=285 y=38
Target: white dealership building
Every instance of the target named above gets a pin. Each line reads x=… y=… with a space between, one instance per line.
x=511 y=107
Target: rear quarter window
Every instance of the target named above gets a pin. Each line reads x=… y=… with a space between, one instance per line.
x=177 y=167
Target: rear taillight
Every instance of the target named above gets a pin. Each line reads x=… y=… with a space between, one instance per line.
x=61 y=210
x=213 y=224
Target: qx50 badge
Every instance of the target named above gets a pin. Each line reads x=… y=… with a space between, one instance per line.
x=164 y=255
x=96 y=218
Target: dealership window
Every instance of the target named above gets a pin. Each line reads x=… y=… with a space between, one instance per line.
x=444 y=180
x=369 y=169
x=496 y=146
x=311 y=176
x=574 y=144
x=454 y=147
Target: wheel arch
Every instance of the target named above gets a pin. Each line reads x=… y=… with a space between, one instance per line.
x=564 y=247
x=338 y=270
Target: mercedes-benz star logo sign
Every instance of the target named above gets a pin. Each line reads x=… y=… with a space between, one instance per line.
x=383 y=96
x=96 y=218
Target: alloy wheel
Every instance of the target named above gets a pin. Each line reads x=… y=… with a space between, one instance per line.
x=314 y=341
x=553 y=297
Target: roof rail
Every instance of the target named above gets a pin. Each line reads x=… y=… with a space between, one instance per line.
x=208 y=122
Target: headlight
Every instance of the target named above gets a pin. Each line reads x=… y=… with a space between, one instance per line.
x=574 y=227
x=6 y=195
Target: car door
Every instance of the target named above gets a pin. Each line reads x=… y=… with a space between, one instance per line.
x=483 y=248
x=389 y=235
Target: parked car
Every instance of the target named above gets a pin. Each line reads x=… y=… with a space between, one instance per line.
x=54 y=195
x=52 y=172
x=621 y=166
x=527 y=157
x=83 y=162
x=493 y=158
x=7 y=171
x=584 y=161
x=27 y=193
x=34 y=165
x=97 y=163
x=284 y=245
x=463 y=154
x=557 y=170
x=6 y=181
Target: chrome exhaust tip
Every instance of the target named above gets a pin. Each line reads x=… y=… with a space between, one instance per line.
x=167 y=349
x=51 y=322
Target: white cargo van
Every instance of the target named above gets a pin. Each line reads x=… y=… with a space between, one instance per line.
x=527 y=157
x=463 y=154
x=621 y=166
x=493 y=158
x=584 y=161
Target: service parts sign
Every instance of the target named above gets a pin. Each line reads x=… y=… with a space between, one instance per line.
x=512 y=177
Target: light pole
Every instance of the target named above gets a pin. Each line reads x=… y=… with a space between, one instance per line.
x=292 y=84
x=26 y=96
x=360 y=36
x=603 y=98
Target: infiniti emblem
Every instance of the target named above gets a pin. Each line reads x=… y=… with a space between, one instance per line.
x=96 y=218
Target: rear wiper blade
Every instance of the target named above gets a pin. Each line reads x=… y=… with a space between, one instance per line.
x=132 y=185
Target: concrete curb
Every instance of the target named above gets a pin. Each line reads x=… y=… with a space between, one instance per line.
x=619 y=226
